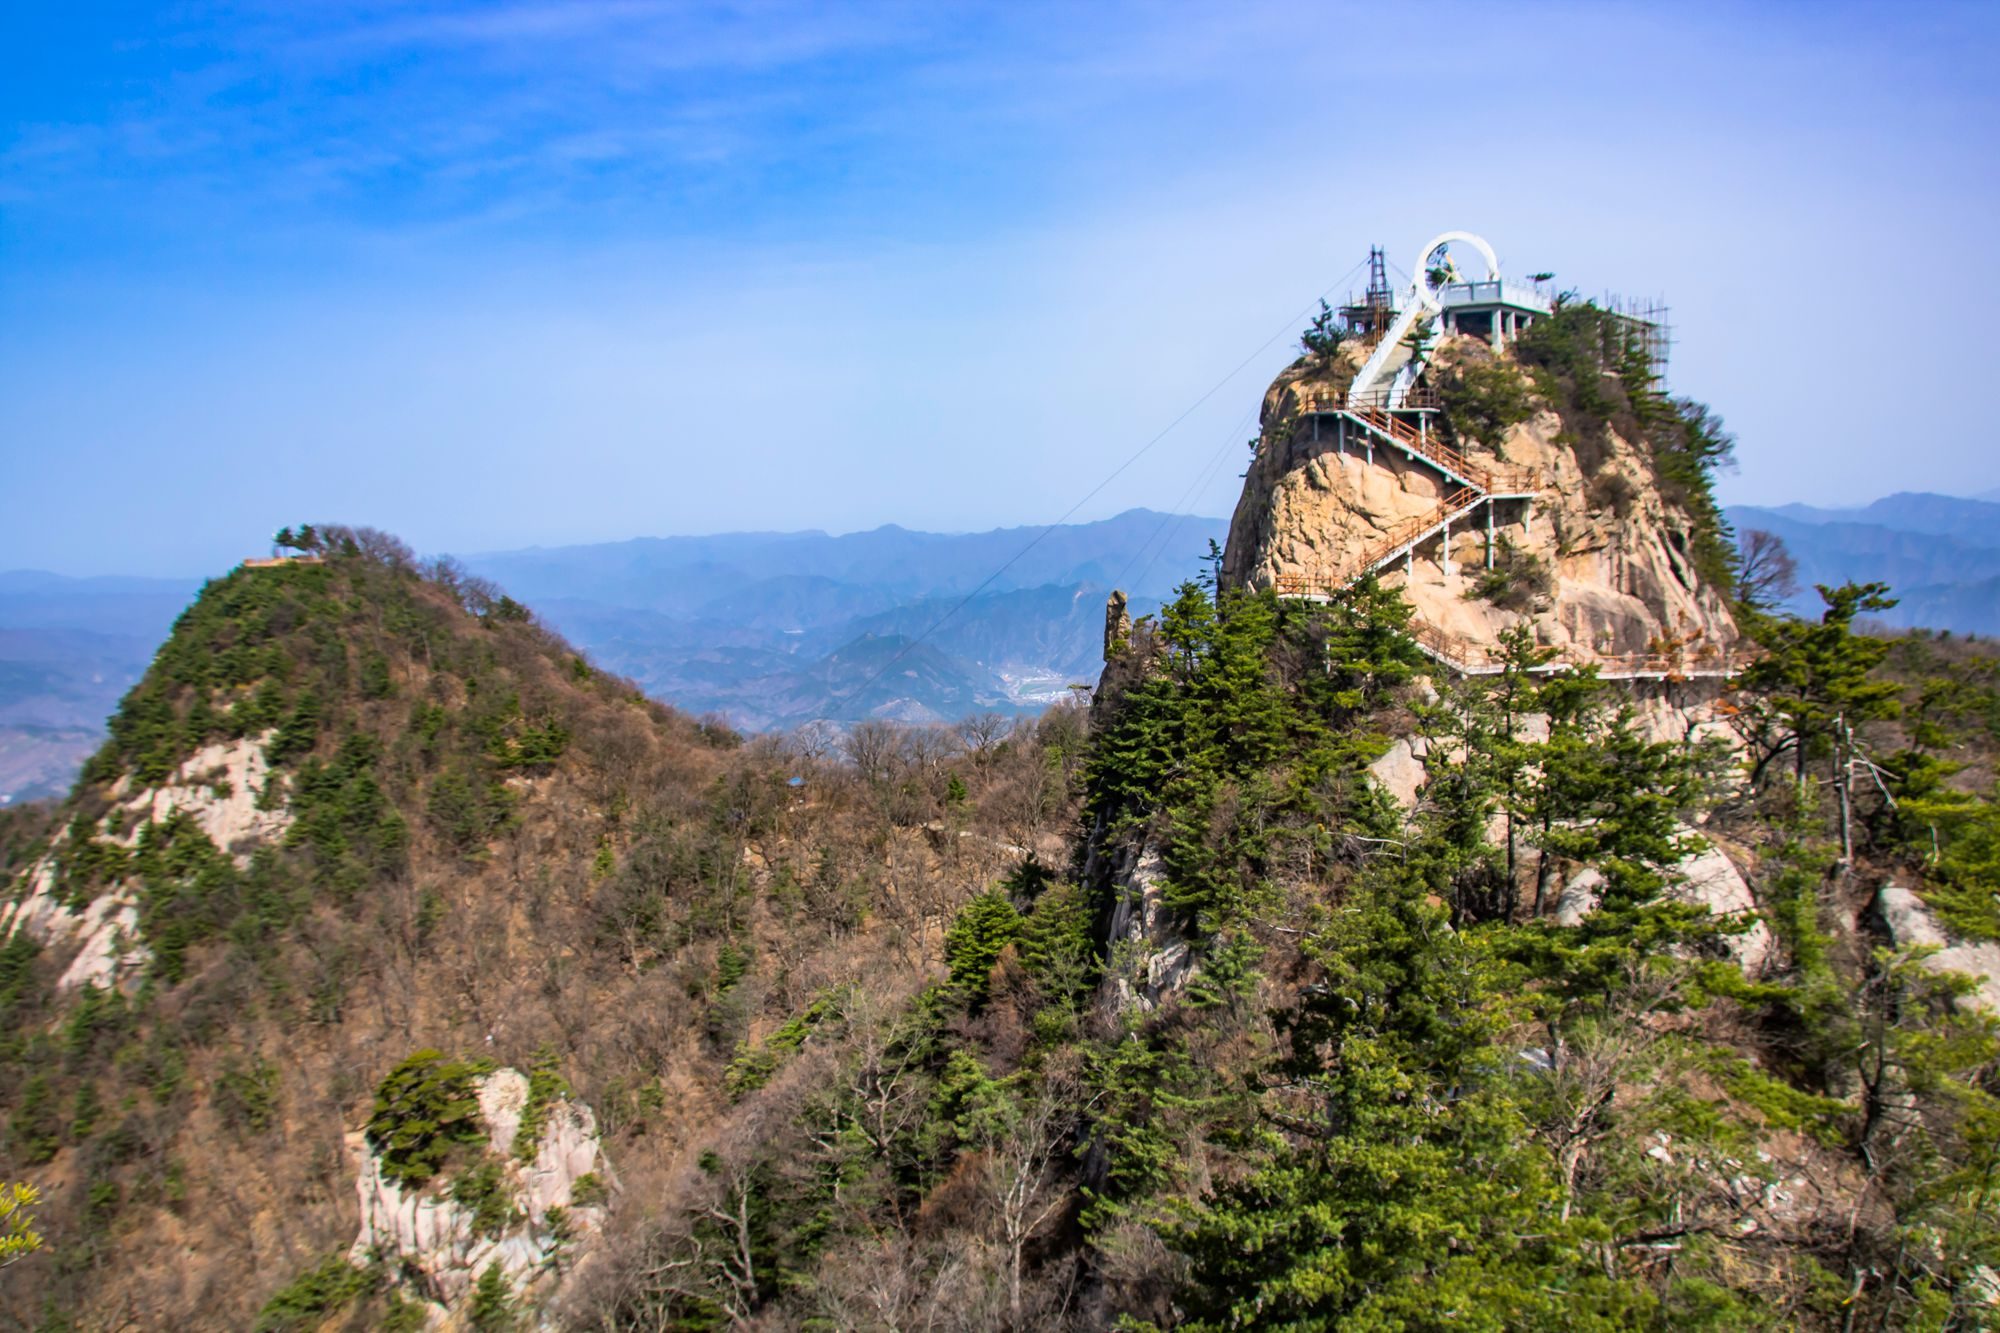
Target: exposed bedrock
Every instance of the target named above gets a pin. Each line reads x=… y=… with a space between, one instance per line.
x=1320 y=496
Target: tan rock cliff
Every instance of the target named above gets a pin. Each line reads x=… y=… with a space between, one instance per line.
x=1320 y=497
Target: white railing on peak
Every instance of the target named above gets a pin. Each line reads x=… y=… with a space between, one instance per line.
x=1371 y=369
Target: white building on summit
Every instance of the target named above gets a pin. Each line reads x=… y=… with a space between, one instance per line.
x=1491 y=308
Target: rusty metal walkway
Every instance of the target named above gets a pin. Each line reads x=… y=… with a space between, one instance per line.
x=1469 y=658
x=1475 y=484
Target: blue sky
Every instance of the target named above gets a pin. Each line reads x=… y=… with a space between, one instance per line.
x=491 y=276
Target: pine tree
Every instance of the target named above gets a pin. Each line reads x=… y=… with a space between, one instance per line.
x=1323 y=336
x=1398 y=1187
x=981 y=930
x=1813 y=689
x=492 y=1307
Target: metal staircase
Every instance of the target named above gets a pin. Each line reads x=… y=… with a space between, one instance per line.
x=1377 y=382
x=1476 y=484
x=1416 y=441
x=1377 y=411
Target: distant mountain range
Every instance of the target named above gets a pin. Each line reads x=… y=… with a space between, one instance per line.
x=770 y=630
x=765 y=630
x=774 y=629
x=1940 y=554
x=69 y=649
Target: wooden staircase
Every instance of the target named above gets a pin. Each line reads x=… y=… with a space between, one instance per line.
x=1367 y=409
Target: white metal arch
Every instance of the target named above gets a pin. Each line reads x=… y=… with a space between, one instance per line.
x=1420 y=282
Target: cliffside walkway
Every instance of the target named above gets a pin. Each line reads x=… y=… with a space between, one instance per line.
x=1415 y=440
x=1476 y=485
x=1469 y=658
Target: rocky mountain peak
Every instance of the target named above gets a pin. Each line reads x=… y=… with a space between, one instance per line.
x=1543 y=482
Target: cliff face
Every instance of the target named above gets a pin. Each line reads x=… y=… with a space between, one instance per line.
x=1598 y=561
x=221 y=788
x=547 y=1205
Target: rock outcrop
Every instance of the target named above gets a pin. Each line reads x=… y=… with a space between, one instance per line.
x=1400 y=770
x=104 y=932
x=221 y=788
x=436 y=1244
x=1151 y=958
x=1910 y=924
x=1621 y=582
x=1117 y=624
x=1707 y=879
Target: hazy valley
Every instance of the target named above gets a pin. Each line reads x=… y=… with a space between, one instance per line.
x=771 y=630
x=1941 y=553
x=761 y=630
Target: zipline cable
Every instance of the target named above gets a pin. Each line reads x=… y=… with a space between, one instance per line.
x=1208 y=475
x=1178 y=514
x=1091 y=494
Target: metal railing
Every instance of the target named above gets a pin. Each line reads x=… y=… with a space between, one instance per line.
x=1480 y=484
x=1421 y=443
x=1468 y=658
x=1417 y=398
x=1412 y=531
x=1477 y=659
x=1491 y=292
x=1405 y=535
x=1498 y=479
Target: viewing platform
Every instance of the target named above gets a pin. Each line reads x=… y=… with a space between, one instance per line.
x=1495 y=310
x=1426 y=508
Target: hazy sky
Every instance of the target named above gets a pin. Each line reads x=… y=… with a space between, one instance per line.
x=491 y=276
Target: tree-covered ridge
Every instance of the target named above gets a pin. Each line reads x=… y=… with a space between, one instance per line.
x=1394 y=1092
x=278 y=648
x=376 y=710
x=1394 y=1082
x=1399 y=1091
x=1245 y=736
x=1473 y=1114
x=404 y=711
x=872 y=1049
x=493 y=847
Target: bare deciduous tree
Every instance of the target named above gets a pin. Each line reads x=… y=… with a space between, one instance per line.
x=1766 y=573
x=1022 y=1185
x=873 y=747
x=815 y=741
x=983 y=732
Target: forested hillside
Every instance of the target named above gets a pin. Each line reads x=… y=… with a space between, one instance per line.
x=357 y=811
x=1170 y=1012
x=768 y=631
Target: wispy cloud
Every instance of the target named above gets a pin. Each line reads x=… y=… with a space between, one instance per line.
x=449 y=243
x=421 y=109
x=628 y=34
